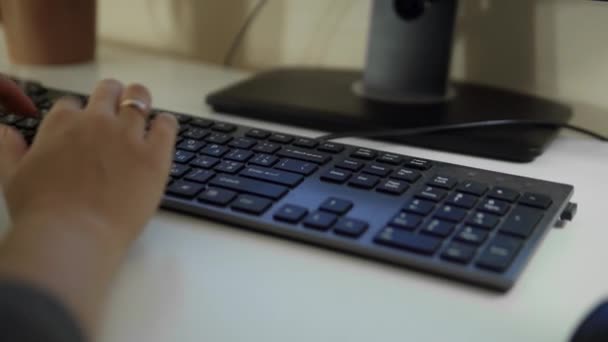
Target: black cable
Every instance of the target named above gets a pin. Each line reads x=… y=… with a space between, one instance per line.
x=458 y=127
x=238 y=38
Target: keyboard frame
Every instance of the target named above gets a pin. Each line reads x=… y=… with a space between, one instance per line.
x=312 y=192
x=560 y=193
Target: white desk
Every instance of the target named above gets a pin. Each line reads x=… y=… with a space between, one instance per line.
x=190 y=279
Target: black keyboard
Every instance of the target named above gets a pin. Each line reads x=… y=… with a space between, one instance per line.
x=473 y=225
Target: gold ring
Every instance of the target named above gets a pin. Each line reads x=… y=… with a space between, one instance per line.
x=135 y=104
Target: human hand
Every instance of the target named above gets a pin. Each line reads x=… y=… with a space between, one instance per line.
x=92 y=168
x=82 y=193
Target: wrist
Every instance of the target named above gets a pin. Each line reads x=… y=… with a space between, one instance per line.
x=72 y=258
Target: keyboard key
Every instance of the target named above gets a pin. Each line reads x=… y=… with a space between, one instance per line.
x=290 y=213
x=218 y=138
x=183 y=157
x=239 y=155
x=227 y=166
x=305 y=142
x=473 y=188
x=267 y=147
x=336 y=176
x=450 y=213
x=500 y=253
x=393 y=187
x=432 y=194
x=350 y=227
x=522 y=221
x=201 y=123
x=250 y=186
x=281 y=138
x=305 y=155
x=199 y=176
x=406 y=175
x=351 y=165
x=10 y=119
x=181 y=118
x=483 y=220
x=443 y=182
x=494 y=206
x=297 y=166
x=398 y=238
x=217 y=196
x=271 y=175
x=462 y=200
x=418 y=164
x=258 y=133
x=264 y=160
x=504 y=194
x=377 y=170
x=406 y=221
x=438 y=228
x=178 y=170
x=251 y=204
x=184 y=189
x=418 y=206
x=331 y=147
x=243 y=143
x=472 y=235
x=390 y=158
x=28 y=123
x=364 y=153
x=223 y=127
x=205 y=162
x=536 y=200
x=336 y=205
x=320 y=220
x=34 y=89
x=195 y=133
x=191 y=145
x=364 y=181
x=459 y=252
x=215 y=150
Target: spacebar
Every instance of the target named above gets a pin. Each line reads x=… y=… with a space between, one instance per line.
x=249 y=186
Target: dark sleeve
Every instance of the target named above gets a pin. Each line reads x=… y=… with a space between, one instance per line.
x=28 y=314
x=595 y=327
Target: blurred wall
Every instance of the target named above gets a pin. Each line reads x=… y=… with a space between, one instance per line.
x=555 y=48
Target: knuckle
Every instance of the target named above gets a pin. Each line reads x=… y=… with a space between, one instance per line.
x=138 y=88
x=110 y=83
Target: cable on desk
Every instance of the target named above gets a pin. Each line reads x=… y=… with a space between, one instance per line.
x=238 y=38
x=458 y=127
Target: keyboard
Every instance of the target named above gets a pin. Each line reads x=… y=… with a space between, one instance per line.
x=476 y=226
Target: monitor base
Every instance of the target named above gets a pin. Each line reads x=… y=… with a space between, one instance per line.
x=323 y=99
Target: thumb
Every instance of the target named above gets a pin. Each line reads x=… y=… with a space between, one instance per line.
x=12 y=148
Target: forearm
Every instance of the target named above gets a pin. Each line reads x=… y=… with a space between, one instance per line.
x=74 y=264
x=49 y=31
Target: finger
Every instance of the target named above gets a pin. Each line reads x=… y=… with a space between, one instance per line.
x=135 y=108
x=12 y=149
x=162 y=135
x=61 y=111
x=105 y=98
x=14 y=99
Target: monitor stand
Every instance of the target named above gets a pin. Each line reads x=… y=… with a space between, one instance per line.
x=405 y=84
x=324 y=99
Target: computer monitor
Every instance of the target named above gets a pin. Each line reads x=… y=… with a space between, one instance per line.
x=405 y=84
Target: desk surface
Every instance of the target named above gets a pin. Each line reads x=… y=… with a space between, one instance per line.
x=196 y=280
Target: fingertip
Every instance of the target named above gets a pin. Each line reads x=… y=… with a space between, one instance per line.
x=170 y=119
x=14 y=99
x=163 y=127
